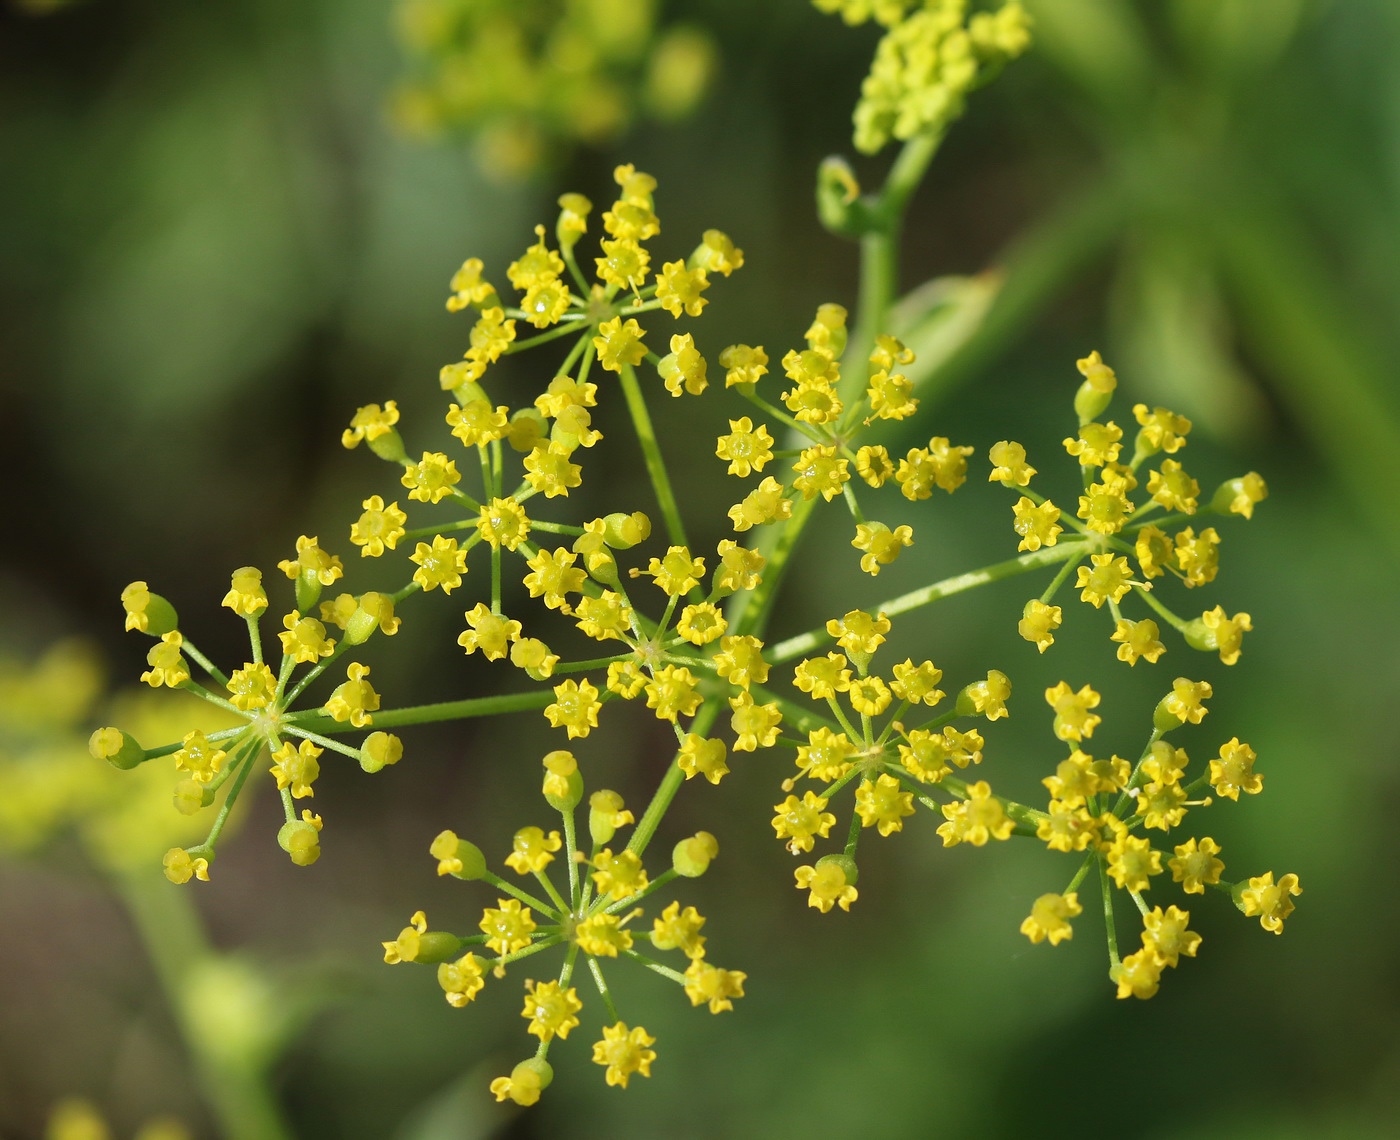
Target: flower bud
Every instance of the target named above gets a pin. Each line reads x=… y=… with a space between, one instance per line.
x=527 y=1080
x=622 y=532
x=563 y=785
x=691 y=857
x=457 y=857
x=379 y=750
x=191 y=796
x=605 y=816
x=1163 y=719
x=388 y=445
x=845 y=862
x=437 y=946
x=527 y=427
x=308 y=590
x=148 y=612
x=118 y=748
x=300 y=839
x=838 y=198
x=573 y=220
x=1090 y=402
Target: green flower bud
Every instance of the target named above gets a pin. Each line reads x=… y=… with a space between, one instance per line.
x=308 y=591
x=388 y=445
x=846 y=863
x=605 y=816
x=380 y=749
x=563 y=785
x=300 y=839
x=457 y=857
x=622 y=532
x=118 y=748
x=437 y=946
x=691 y=857
x=1090 y=403
x=1163 y=720
x=527 y=427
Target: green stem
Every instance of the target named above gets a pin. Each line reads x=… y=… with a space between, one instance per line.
x=1046 y=556
x=313 y=721
x=670 y=783
x=651 y=453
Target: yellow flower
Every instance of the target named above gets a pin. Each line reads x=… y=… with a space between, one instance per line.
x=1162 y=430
x=1137 y=639
x=1161 y=805
x=827 y=886
x=605 y=617
x=1268 y=900
x=671 y=692
x=743 y=364
x=490 y=633
x=1238 y=496
x=251 y=687
x=1108 y=580
x=709 y=984
x=802 y=822
x=1104 y=506
x=602 y=936
x=857 y=632
x=1038 y=624
x=619 y=876
x=525 y=1083
x=575 y=708
x=1213 y=630
x=508 y=928
x=755 y=726
x=553 y=575
x=626 y=679
x=1066 y=827
x=869 y=696
x=873 y=464
x=202 y=760
x=698 y=756
x=739 y=567
x=1186 y=701
x=246 y=595
x=1195 y=865
x=532 y=850
x=678 y=929
x=1096 y=444
x=461 y=980
x=369 y=423
x=1073 y=720
x=764 y=504
x=891 y=396
x=432 y=478
x=180 y=868
x=312 y=562
x=1049 y=918
x=1131 y=861
x=683 y=367
x=624 y=1051
x=740 y=661
x=813 y=401
x=976 y=819
x=881 y=545
x=1172 y=488
x=477 y=422
x=304 y=638
x=537 y=266
x=717 y=254
x=676 y=572
x=296 y=767
x=1009 y=466
x=354 y=699
x=551 y=1010
x=1165 y=935
x=467 y=286
x=441 y=564
x=746 y=448
x=618 y=344
x=883 y=804
x=917 y=683
x=1234 y=772
x=167 y=666
x=701 y=623
x=986 y=698
x=1137 y=975
x=490 y=337
x=1198 y=558
x=1037 y=525
x=678 y=288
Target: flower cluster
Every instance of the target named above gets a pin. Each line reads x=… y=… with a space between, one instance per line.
x=680 y=628
x=590 y=911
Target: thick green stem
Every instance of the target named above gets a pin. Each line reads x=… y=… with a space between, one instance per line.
x=670 y=783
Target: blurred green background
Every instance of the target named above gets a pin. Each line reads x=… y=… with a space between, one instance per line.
x=217 y=237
